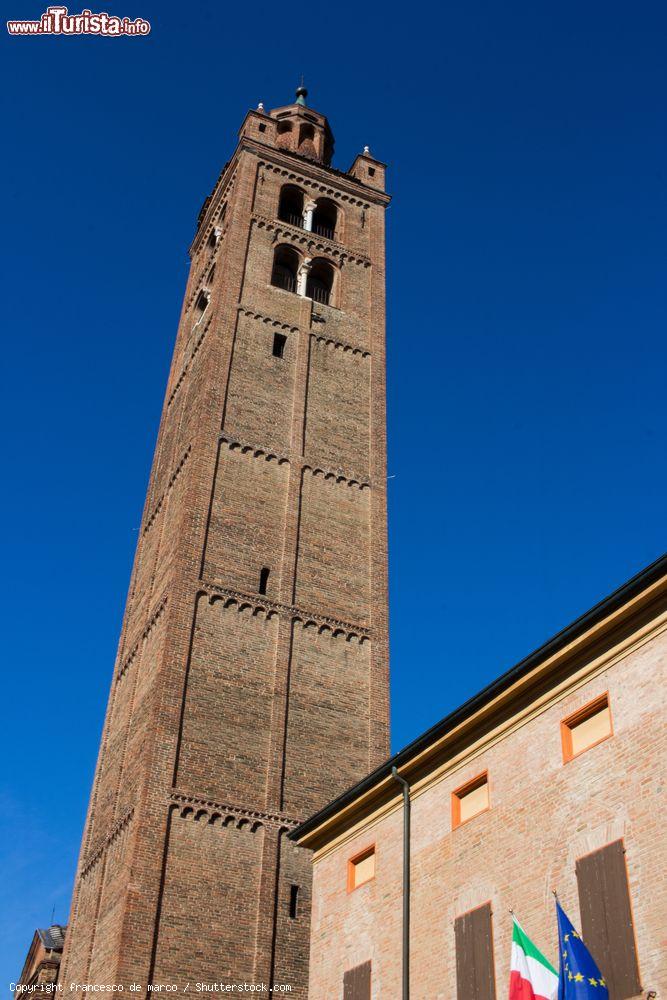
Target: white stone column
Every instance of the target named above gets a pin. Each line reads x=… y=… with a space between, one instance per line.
x=308 y=210
x=302 y=277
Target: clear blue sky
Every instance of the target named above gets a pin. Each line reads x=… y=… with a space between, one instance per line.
x=527 y=311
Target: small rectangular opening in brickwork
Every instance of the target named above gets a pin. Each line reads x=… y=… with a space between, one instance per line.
x=361 y=868
x=586 y=728
x=263 y=579
x=470 y=800
x=279 y=341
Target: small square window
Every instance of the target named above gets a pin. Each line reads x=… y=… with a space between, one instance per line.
x=361 y=868
x=586 y=728
x=470 y=800
x=262 y=127
x=371 y=171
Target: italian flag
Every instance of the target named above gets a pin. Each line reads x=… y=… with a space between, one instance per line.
x=531 y=976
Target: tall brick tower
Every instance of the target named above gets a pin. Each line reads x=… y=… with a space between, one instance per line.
x=251 y=684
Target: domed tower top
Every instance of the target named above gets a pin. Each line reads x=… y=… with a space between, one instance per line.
x=302 y=130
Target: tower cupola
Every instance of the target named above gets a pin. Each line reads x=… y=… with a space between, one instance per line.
x=302 y=130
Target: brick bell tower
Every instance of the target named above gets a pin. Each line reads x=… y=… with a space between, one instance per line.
x=251 y=683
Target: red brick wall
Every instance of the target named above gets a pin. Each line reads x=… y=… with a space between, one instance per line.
x=291 y=958
x=78 y=949
x=108 y=925
x=247 y=519
x=337 y=429
x=226 y=738
x=209 y=938
x=332 y=568
x=261 y=389
x=330 y=682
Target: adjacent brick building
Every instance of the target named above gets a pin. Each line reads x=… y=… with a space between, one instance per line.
x=552 y=778
x=251 y=681
x=40 y=970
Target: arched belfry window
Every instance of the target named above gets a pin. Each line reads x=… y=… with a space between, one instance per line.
x=285 y=268
x=325 y=218
x=290 y=206
x=319 y=286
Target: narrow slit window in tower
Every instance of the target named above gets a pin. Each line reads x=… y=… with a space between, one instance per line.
x=279 y=341
x=293 y=901
x=263 y=579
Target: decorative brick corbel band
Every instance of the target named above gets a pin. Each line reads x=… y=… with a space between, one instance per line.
x=186 y=367
x=154 y=616
x=220 y=233
x=116 y=830
x=340 y=477
x=251 y=314
x=278 y=324
x=311 y=240
x=170 y=483
x=200 y=285
x=256 y=451
x=313 y=185
x=341 y=345
x=312 y=466
x=209 y=215
x=220 y=814
x=260 y=605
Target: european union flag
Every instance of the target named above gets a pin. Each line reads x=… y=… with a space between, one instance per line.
x=579 y=977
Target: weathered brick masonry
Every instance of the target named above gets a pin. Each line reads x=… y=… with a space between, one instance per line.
x=235 y=713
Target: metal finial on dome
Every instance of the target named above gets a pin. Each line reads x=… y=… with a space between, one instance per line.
x=301 y=94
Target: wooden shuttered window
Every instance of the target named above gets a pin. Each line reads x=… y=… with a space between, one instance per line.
x=606 y=918
x=357 y=983
x=475 y=978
